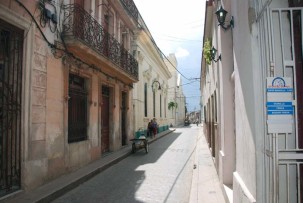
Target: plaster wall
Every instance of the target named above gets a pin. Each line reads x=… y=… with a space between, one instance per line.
x=175 y=92
x=151 y=68
x=247 y=98
x=250 y=82
x=240 y=77
x=226 y=135
x=46 y=153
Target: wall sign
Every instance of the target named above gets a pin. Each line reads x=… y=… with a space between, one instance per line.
x=279 y=105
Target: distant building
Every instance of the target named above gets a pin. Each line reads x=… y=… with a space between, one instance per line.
x=175 y=92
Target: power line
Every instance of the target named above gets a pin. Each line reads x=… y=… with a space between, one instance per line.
x=153 y=41
x=178 y=40
x=184 y=84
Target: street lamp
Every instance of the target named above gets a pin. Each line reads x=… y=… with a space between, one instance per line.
x=221 y=15
x=159 y=88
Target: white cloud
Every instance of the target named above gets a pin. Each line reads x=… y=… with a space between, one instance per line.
x=181 y=52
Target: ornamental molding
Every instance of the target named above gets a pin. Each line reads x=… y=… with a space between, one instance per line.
x=147 y=74
x=140 y=57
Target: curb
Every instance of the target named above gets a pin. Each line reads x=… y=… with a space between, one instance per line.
x=61 y=185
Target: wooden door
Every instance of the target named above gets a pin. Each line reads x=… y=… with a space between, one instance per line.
x=123 y=117
x=105 y=119
x=79 y=21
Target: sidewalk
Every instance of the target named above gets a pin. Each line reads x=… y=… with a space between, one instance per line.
x=67 y=182
x=205 y=184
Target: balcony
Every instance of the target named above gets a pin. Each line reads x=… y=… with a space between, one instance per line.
x=131 y=8
x=88 y=40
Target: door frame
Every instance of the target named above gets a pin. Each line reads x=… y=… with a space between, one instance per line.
x=283 y=152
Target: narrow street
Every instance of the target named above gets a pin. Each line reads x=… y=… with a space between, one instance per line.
x=162 y=175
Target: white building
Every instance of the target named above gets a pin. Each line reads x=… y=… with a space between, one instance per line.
x=252 y=99
x=175 y=92
x=150 y=94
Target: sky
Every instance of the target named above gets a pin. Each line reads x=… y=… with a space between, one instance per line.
x=177 y=27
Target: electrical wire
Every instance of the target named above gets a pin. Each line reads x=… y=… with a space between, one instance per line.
x=25 y=36
x=177 y=38
x=71 y=55
x=154 y=43
x=184 y=84
x=33 y=18
x=52 y=46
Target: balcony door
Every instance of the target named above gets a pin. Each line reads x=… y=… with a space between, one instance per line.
x=79 y=17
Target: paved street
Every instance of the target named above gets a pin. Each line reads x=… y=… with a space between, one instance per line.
x=162 y=175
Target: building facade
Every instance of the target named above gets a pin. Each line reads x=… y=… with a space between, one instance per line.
x=252 y=98
x=67 y=73
x=176 y=115
x=150 y=94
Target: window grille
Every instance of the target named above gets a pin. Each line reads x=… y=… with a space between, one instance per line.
x=77 y=109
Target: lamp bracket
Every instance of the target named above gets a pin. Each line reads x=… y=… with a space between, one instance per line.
x=231 y=24
x=219 y=58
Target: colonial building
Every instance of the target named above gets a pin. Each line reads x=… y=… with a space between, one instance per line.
x=67 y=73
x=251 y=85
x=150 y=93
x=176 y=115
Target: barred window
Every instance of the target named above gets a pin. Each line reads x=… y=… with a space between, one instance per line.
x=77 y=109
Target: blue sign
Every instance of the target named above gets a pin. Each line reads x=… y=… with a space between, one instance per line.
x=279 y=89
x=279 y=108
x=280 y=112
x=279 y=104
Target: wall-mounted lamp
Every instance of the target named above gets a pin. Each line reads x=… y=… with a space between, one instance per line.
x=213 y=55
x=221 y=15
x=159 y=88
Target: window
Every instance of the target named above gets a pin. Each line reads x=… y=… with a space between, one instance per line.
x=145 y=99
x=77 y=109
x=160 y=105
x=154 y=103
x=11 y=46
x=165 y=106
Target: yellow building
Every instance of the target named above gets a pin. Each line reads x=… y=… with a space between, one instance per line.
x=150 y=96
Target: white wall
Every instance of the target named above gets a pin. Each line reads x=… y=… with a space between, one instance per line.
x=151 y=68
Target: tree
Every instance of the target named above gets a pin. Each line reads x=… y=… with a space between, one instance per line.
x=172 y=105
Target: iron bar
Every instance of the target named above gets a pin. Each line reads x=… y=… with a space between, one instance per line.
x=131 y=8
x=80 y=25
x=77 y=109
x=11 y=43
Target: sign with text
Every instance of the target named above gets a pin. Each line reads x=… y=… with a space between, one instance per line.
x=279 y=105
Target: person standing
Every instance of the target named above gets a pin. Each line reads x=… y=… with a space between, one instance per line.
x=155 y=127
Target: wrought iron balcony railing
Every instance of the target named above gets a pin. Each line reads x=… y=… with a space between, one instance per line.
x=131 y=8
x=80 y=25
